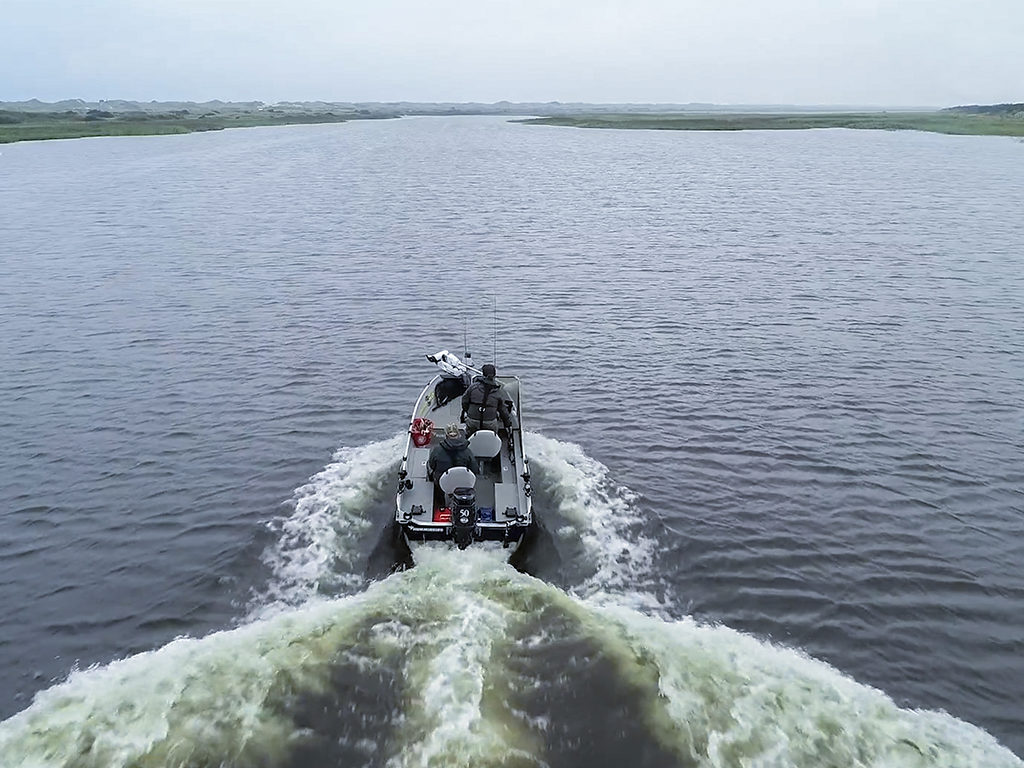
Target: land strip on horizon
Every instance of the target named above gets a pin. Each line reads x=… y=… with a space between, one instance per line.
x=35 y=120
x=946 y=121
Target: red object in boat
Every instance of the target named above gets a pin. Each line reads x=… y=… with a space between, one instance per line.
x=421 y=430
x=443 y=515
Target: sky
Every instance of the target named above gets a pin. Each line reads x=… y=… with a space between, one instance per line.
x=830 y=52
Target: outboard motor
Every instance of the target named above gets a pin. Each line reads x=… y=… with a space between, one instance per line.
x=458 y=484
x=464 y=516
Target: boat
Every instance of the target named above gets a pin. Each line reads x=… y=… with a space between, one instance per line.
x=460 y=506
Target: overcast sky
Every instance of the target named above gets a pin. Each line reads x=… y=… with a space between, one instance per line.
x=868 y=52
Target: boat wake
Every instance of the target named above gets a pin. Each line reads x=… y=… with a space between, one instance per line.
x=320 y=545
x=596 y=521
x=464 y=660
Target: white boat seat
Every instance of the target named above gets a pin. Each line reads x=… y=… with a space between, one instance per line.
x=457 y=477
x=485 y=444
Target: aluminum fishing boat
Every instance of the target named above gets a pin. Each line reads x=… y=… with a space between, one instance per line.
x=462 y=506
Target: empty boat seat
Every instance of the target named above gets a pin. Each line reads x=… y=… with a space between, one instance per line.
x=485 y=444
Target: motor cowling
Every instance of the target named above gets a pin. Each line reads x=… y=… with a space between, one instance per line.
x=465 y=516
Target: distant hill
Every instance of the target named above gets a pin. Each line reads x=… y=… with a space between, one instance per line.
x=395 y=108
x=34 y=106
x=1006 y=110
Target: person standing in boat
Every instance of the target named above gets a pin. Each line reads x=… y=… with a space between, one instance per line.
x=486 y=404
x=451 y=451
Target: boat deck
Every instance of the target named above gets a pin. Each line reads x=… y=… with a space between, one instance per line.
x=499 y=487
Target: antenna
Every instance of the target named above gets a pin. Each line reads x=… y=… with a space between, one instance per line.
x=465 y=342
x=494 y=352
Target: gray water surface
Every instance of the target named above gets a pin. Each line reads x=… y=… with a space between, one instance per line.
x=783 y=371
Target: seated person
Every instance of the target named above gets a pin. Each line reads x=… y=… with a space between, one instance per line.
x=451 y=451
x=486 y=404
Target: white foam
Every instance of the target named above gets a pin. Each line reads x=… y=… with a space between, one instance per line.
x=601 y=515
x=713 y=696
x=725 y=699
x=452 y=654
x=321 y=542
x=192 y=702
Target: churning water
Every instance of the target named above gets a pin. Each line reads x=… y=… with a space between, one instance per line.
x=773 y=388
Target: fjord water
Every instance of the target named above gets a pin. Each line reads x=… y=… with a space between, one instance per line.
x=773 y=389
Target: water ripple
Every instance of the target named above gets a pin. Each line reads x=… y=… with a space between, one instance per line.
x=801 y=352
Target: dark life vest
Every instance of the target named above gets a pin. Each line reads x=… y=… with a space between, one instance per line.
x=484 y=401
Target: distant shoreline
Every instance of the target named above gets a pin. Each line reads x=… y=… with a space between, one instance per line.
x=37 y=121
x=948 y=122
x=35 y=127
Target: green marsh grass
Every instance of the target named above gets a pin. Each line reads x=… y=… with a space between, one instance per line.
x=936 y=122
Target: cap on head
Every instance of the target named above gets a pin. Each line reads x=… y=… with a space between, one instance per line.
x=452 y=430
x=489 y=370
